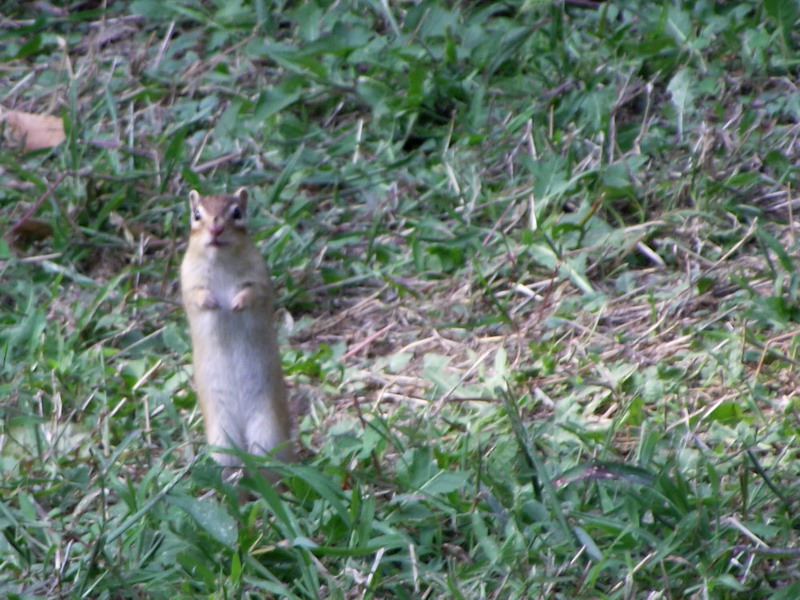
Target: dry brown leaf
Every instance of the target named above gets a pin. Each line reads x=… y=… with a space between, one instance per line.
x=32 y=230
x=32 y=131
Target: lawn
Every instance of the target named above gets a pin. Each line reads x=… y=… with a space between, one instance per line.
x=536 y=286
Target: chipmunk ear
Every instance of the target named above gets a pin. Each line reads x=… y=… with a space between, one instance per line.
x=194 y=207
x=242 y=195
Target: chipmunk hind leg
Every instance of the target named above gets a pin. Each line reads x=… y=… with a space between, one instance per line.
x=223 y=435
x=264 y=435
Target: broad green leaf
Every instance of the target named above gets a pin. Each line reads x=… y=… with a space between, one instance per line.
x=588 y=543
x=785 y=15
x=445 y=482
x=435 y=369
x=398 y=362
x=276 y=99
x=212 y=517
x=682 y=95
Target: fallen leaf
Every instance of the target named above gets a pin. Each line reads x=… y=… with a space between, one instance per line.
x=32 y=131
x=30 y=231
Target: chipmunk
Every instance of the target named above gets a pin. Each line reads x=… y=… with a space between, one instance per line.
x=227 y=294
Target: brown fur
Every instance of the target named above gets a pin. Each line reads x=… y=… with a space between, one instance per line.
x=228 y=297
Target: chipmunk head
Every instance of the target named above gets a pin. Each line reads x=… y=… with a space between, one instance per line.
x=218 y=218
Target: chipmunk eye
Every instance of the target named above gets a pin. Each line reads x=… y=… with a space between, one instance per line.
x=236 y=213
x=197 y=215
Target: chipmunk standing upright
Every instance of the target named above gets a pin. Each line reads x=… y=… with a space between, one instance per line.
x=227 y=294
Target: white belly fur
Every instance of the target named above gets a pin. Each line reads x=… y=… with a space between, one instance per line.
x=240 y=381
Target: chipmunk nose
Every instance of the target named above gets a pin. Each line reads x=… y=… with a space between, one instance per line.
x=217 y=226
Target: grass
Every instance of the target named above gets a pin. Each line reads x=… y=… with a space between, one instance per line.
x=537 y=286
